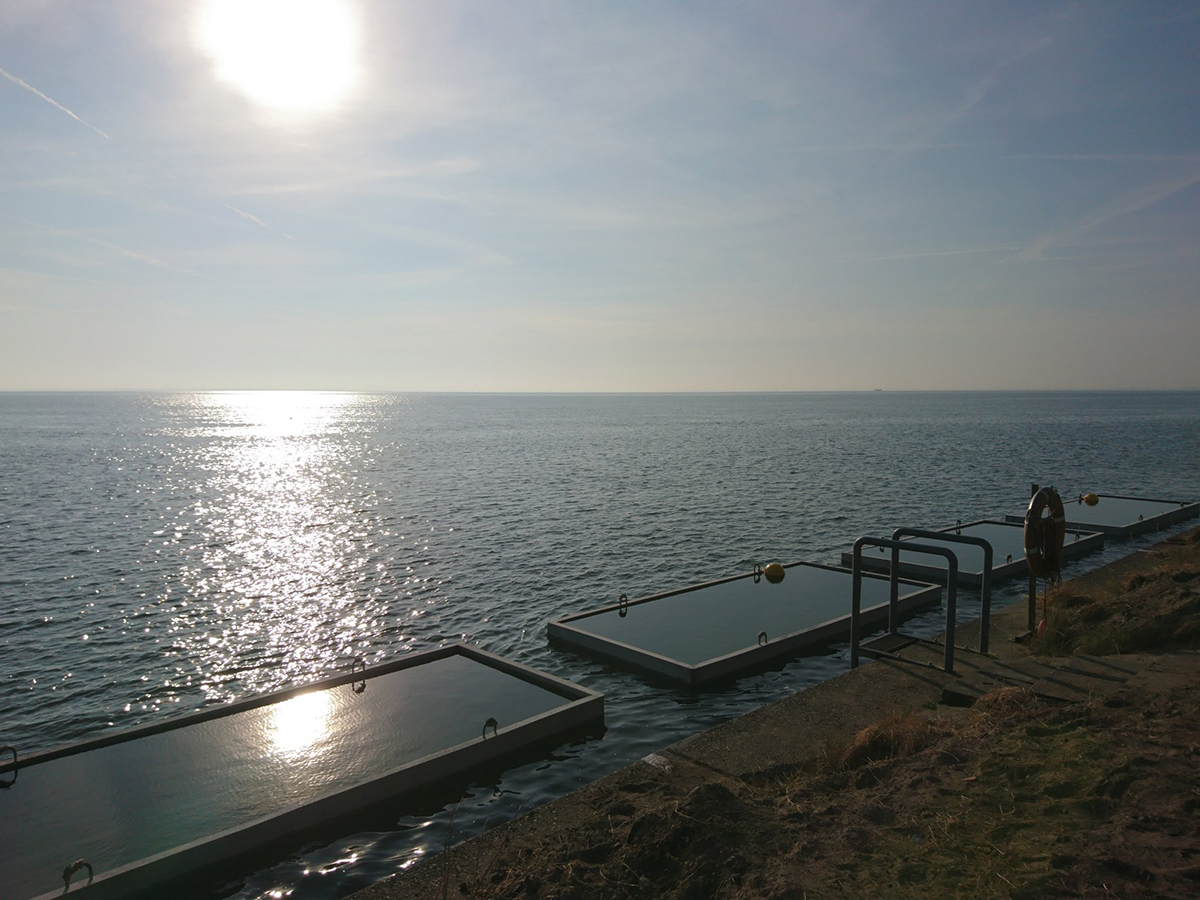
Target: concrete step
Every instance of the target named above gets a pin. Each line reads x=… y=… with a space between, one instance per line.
x=1067 y=680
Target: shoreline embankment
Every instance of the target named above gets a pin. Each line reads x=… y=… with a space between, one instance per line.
x=1059 y=766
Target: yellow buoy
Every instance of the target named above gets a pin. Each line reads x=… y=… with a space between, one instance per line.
x=1091 y=499
x=774 y=573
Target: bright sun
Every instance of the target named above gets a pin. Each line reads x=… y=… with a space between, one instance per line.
x=291 y=56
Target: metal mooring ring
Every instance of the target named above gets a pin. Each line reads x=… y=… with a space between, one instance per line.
x=958 y=527
x=72 y=869
x=623 y=605
x=358 y=686
x=492 y=724
x=762 y=639
x=758 y=571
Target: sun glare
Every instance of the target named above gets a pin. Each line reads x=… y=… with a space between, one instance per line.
x=290 y=56
x=299 y=723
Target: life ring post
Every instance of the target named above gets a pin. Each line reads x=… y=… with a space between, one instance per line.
x=1033 y=492
x=1044 y=537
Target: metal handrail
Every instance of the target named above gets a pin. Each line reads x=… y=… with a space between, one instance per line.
x=856 y=594
x=985 y=587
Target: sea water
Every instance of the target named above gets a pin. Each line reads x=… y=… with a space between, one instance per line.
x=163 y=552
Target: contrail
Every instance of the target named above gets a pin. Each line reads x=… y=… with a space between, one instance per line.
x=19 y=83
x=246 y=215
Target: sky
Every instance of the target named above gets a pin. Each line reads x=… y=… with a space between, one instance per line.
x=607 y=196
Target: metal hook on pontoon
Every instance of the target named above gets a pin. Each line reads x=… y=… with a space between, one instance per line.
x=758 y=571
x=623 y=605
x=72 y=869
x=361 y=685
x=762 y=639
x=492 y=724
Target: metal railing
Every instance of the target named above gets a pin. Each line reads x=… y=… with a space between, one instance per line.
x=985 y=586
x=856 y=594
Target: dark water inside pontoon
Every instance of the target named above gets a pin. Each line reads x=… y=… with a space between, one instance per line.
x=161 y=552
x=117 y=804
x=1116 y=511
x=1006 y=540
x=712 y=621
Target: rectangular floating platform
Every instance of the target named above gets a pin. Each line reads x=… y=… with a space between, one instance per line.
x=699 y=634
x=153 y=804
x=1123 y=516
x=1008 y=553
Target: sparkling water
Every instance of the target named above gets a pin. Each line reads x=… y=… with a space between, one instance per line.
x=162 y=552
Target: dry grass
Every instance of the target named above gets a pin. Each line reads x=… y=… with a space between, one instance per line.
x=892 y=737
x=1151 y=610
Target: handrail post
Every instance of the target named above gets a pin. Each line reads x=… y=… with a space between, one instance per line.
x=951 y=610
x=856 y=591
x=985 y=586
x=1033 y=489
x=855 y=600
x=985 y=596
x=894 y=593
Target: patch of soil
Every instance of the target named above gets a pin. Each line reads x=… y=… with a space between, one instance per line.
x=1017 y=800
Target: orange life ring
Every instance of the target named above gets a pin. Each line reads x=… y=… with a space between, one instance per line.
x=1044 y=537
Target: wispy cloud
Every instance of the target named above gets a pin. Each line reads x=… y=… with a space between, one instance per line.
x=245 y=215
x=24 y=84
x=981 y=89
x=132 y=254
x=923 y=254
x=26 y=276
x=106 y=245
x=1110 y=157
x=1125 y=204
x=906 y=147
x=348 y=179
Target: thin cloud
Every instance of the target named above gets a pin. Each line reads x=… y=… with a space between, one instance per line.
x=31 y=275
x=350 y=179
x=1131 y=202
x=23 y=84
x=132 y=254
x=245 y=215
x=984 y=86
x=107 y=245
x=1109 y=157
x=909 y=147
x=922 y=254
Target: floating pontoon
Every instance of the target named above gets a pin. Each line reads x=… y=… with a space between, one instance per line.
x=144 y=807
x=1008 y=549
x=709 y=631
x=1123 y=516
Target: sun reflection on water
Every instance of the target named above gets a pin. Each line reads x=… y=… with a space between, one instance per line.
x=278 y=588
x=296 y=725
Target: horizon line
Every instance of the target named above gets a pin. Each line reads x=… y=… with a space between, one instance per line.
x=602 y=393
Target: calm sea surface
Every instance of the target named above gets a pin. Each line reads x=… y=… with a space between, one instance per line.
x=161 y=552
